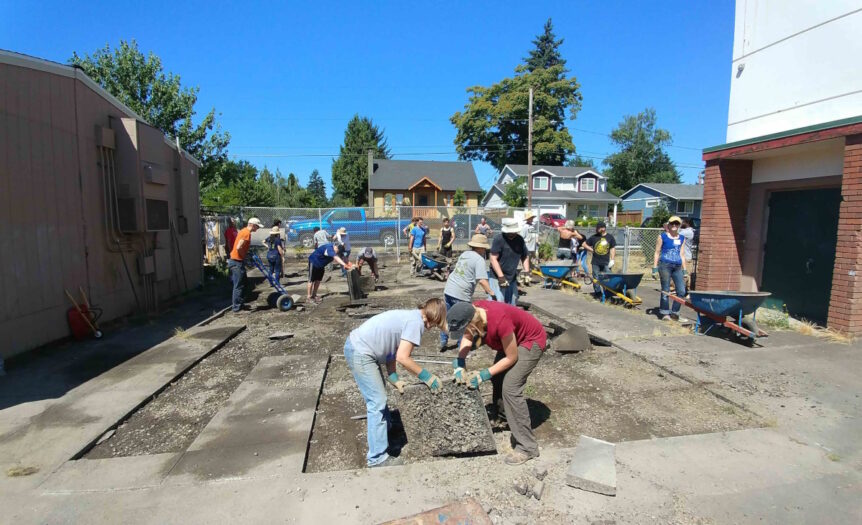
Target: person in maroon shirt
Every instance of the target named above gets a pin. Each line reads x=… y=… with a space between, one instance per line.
x=520 y=340
x=229 y=236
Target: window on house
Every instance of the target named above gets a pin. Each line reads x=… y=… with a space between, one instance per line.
x=651 y=203
x=685 y=207
x=540 y=183
x=588 y=210
x=399 y=198
x=588 y=184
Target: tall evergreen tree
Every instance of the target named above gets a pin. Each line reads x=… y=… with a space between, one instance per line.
x=317 y=188
x=350 y=169
x=547 y=51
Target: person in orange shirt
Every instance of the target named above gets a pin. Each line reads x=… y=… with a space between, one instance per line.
x=236 y=264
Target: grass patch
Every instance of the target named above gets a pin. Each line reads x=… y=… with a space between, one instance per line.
x=18 y=472
x=833 y=457
x=180 y=333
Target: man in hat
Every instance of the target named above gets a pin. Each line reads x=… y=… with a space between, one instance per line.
x=342 y=242
x=603 y=247
x=531 y=238
x=508 y=252
x=236 y=265
x=369 y=256
x=275 y=252
x=469 y=270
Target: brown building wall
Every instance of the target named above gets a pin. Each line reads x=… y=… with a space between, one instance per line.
x=53 y=212
x=845 y=306
x=727 y=184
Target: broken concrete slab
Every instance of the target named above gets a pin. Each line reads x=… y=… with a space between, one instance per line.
x=132 y=472
x=277 y=336
x=593 y=467
x=467 y=510
x=573 y=339
x=451 y=423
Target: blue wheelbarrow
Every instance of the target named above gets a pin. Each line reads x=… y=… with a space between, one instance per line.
x=284 y=301
x=620 y=287
x=557 y=275
x=728 y=309
x=435 y=266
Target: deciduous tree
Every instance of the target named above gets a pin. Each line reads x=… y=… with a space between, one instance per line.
x=641 y=157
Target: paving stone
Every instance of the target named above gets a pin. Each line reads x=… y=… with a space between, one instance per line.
x=277 y=336
x=573 y=339
x=467 y=510
x=593 y=467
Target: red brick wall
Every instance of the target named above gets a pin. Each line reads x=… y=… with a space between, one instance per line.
x=727 y=184
x=845 y=305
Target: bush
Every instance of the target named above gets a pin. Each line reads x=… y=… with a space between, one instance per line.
x=546 y=251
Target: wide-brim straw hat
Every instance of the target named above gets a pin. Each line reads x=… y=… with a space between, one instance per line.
x=275 y=230
x=342 y=230
x=529 y=215
x=479 y=241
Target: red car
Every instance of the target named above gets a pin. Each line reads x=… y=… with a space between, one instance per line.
x=555 y=220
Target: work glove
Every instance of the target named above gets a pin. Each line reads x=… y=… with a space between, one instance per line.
x=460 y=374
x=477 y=377
x=397 y=383
x=431 y=380
x=654 y=271
x=611 y=264
x=684 y=272
x=504 y=283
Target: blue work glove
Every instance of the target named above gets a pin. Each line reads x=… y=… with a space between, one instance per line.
x=654 y=271
x=397 y=383
x=460 y=374
x=431 y=380
x=477 y=377
x=684 y=273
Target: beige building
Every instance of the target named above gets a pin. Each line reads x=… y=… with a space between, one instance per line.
x=426 y=186
x=91 y=196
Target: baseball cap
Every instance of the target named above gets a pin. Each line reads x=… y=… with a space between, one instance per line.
x=255 y=221
x=458 y=317
x=674 y=219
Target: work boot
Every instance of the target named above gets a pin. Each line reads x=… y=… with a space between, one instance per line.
x=518 y=457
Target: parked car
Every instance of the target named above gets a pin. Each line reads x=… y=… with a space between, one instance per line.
x=358 y=225
x=463 y=221
x=554 y=220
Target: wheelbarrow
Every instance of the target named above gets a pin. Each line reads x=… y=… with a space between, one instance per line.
x=620 y=287
x=556 y=275
x=284 y=301
x=435 y=266
x=727 y=309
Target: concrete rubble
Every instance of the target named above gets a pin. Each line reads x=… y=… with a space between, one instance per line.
x=593 y=467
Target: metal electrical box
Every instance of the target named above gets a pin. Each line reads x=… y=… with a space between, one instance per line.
x=143 y=170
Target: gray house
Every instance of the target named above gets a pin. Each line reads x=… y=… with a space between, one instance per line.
x=681 y=199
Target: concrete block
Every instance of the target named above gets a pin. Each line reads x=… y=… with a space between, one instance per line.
x=467 y=510
x=593 y=467
x=573 y=339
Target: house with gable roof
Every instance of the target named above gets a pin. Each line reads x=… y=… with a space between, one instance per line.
x=683 y=200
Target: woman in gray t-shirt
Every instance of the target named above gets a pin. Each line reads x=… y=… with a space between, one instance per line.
x=389 y=338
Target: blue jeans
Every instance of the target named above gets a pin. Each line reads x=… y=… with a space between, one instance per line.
x=366 y=372
x=237 y=277
x=450 y=302
x=582 y=261
x=510 y=296
x=666 y=272
x=597 y=269
x=274 y=265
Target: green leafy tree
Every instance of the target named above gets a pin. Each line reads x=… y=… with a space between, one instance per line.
x=515 y=193
x=641 y=157
x=350 y=169
x=459 y=198
x=546 y=54
x=582 y=162
x=494 y=124
x=660 y=215
x=244 y=186
x=317 y=188
x=141 y=83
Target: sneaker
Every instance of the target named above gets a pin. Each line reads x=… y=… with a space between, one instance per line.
x=391 y=461
x=678 y=318
x=443 y=346
x=518 y=457
x=666 y=318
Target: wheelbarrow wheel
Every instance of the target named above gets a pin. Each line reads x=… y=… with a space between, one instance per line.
x=749 y=324
x=631 y=295
x=284 y=303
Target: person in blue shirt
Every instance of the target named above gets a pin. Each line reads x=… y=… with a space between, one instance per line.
x=416 y=246
x=669 y=262
x=317 y=262
x=275 y=253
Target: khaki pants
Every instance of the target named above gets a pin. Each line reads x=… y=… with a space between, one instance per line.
x=416 y=254
x=509 y=388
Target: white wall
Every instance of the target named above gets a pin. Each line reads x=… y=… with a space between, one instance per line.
x=801 y=65
x=821 y=159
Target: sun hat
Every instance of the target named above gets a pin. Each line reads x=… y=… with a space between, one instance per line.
x=458 y=317
x=510 y=226
x=674 y=218
x=570 y=224
x=529 y=215
x=479 y=241
x=342 y=230
x=255 y=221
x=275 y=230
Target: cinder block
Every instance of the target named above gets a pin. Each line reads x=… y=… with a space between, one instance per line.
x=594 y=467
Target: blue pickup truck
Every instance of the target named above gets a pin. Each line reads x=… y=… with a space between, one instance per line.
x=359 y=227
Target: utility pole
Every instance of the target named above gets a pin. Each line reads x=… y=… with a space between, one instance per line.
x=530 y=153
x=370 y=172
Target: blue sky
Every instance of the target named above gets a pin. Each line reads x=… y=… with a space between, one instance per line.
x=287 y=78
